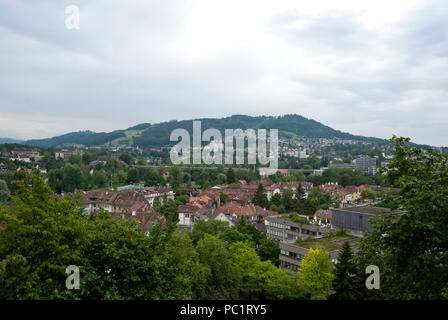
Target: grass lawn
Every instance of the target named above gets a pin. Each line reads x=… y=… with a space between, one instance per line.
x=295 y=218
x=328 y=243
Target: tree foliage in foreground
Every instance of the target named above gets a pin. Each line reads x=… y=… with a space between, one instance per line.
x=4 y=191
x=346 y=282
x=43 y=235
x=221 y=276
x=262 y=277
x=316 y=273
x=410 y=249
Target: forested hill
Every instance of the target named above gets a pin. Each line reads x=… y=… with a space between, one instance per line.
x=155 y=135
x=9 y=140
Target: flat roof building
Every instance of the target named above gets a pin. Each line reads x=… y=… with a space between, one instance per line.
x=356 y=219
x=291 y=254
x=290 y=228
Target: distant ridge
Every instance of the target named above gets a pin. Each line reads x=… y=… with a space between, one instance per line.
x=10 y=140
x=156 y=135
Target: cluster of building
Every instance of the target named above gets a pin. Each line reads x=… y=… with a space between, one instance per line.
x=103 y=160
x=366 y=164
x=297 y=234
x=266 y=172
x=350 y=195
x=237 y=203
x=133 y=203
x=302 y=147
x=25 y=155
x=230 y=213
x=289 y=151
x=65 y=154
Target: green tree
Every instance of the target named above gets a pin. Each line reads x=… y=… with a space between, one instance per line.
x=319 y=200
x=276 y=199
x=127 y=158
x=302 y=204
x=269 y=250
x=174 y=177
x=344 y=283
x=133 y=176
x=75 y=159
x=154 y=178
x=222 y=178
x=89 y=157
x=369 y=194
x=232 y=235
x=72 y=177
x=4 y=191
x=186 y=178
x=262 y=277
x=315 y=273
x=44 y=234
x=222 y=278
x=222 y=197
x=260 y=197
x=182 y=199
x=410 y=248
x=231 y=178
x=169 y=211
x=20 y=175
x=212 y=227
x=119 y=178
x=55 y=180
x=66 y=179
x=282 y=286
x=99 y=179
x=250 y=230
x=287 y=200
x=244 y=258
x=36 y=246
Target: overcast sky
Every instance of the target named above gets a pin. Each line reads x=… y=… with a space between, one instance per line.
x=372 y=68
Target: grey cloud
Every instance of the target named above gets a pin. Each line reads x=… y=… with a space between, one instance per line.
x=334 y=30
x=119 y=69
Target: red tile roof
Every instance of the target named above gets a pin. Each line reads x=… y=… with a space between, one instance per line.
x=187 y=208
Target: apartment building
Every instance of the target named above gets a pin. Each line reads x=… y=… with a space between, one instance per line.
x=291 y=254
x=366 y=164
x=65 y=154
x=286 y=229
x=298 y=234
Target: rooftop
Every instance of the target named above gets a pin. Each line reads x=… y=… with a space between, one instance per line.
x=294 y=217
x=367 y=210
x=329 y=242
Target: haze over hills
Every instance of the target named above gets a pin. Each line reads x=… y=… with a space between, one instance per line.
x=156 y=135
x=10 y=140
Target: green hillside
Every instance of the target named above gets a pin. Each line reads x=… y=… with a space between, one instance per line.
x=156 y=135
